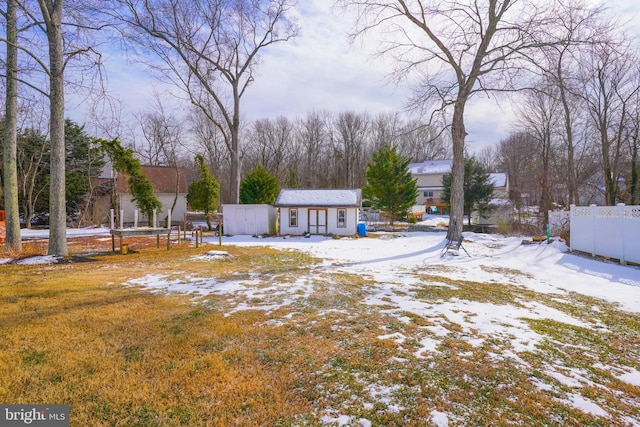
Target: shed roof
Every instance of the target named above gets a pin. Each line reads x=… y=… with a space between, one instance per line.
x=319 y=198
x=163 y=179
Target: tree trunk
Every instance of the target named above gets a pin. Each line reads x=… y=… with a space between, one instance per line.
x=568 y=125
x=52 y=14
x=234 y=182
x=13 y=238
x=458 y=134
x=633 y=185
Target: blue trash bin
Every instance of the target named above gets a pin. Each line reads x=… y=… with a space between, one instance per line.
x=362 y=229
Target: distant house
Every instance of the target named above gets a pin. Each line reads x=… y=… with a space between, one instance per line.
x=502 y=208
x=428 y=176
x=169 y=186
x=319 y=211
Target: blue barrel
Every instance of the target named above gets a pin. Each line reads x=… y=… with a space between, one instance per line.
x=362 y=229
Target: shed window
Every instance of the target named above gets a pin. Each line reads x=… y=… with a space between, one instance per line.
x=293 y=217
x=342 y=218
x=428 y=194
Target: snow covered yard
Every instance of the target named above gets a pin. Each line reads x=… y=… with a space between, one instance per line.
x=384 y=330
x=513 y=334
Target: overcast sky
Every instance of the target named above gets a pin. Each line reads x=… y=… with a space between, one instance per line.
x=320 y=70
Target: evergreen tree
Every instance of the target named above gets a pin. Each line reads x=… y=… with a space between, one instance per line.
x=259 y=187
x=390 y=186
x=124 y=161
x=85 y=161
x=478 y=189
x=204 y=193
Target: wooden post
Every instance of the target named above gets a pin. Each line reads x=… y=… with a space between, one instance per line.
x=196 y=231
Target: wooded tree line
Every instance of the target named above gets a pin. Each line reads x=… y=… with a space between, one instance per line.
x=573 y=72
x=321 y=149
x=578 y=127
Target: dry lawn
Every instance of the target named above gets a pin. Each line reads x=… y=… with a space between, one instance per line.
x=74 y=333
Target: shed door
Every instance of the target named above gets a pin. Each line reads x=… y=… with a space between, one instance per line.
x=318 y=221
x=246 y=221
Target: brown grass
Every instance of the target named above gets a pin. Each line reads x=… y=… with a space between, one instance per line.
x=75 y=333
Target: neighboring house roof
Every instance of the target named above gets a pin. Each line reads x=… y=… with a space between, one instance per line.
x=431 y=167
x=499 y=180
x=163 y=179
x=319 y=198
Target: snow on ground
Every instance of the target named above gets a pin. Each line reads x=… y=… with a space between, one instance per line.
x=395 y=261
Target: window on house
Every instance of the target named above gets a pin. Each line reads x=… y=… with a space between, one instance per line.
x=293 y=217
x=428 y=194
x=342 y=218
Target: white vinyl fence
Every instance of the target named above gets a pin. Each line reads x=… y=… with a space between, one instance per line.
x=610 y=231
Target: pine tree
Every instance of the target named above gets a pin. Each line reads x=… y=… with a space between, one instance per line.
x=478 y=189
x=204 y=193
x=259 y=187
x=390 y=186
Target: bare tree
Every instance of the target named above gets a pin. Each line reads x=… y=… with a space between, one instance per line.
x=461 y=48
x=269 y=144
x=633 y=138
x=10 y=181
x=517 y=156
x=163 y=134
x=312 y=137
x=609 y=86
x=44 y=26
x=352 y=137
x=210 y=49
x=540 y=117
x=577 y=27
x=209 y=141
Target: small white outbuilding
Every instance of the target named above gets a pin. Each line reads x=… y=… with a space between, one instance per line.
x=331 y=211
x=253 y=220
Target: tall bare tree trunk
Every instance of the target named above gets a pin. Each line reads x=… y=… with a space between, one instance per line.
x=458 y=134
x=12 y=215
x=52 y=14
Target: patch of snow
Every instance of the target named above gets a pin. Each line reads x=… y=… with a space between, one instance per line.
x=585 y=405
x=632 y=377
x=439 y=419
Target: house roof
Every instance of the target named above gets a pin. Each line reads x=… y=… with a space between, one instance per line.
x=431 y=167
x=319 y=198
x=163 y=179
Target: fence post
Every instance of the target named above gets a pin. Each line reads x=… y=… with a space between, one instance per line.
x=572 y=210
x=623 y=260
x=112 y=218
x=592 y=227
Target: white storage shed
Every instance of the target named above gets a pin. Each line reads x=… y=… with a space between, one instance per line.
x=253 y=220
x=331 y=211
